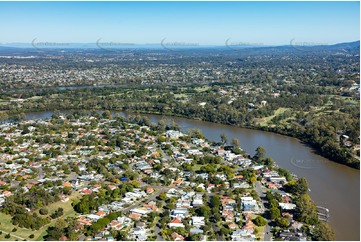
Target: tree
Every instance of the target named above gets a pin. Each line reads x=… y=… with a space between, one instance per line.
x=235 y=143
x=224 y=231
x=260 y=153
x=306 y=210
x=53 y=233
x=269 y=162
x=252 y=179
x=259 y=221
x=236 y=146
x=43 y=211
x=174 y=126
x=224 y=139
x=107 y=114
x=163 y=196
x=215 y=202
x=283 y=223
x=162 y=124
x=195 y=237
x=275 y=213
x=323 y=231
x=204 y=211
x=298 y=187
x=195 y=133
x=302 y=186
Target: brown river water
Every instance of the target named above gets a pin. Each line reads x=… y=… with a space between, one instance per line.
x=332 y=185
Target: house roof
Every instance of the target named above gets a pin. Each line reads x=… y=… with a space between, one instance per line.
x=177 y=237
x=176 y=221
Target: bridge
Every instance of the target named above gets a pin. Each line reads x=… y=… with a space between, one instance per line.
x=323 y=213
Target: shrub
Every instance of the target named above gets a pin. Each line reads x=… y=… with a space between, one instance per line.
x=259 y=221
x=43 y=211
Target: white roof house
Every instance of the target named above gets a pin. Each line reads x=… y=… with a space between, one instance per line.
x=287 y=206
x=198 y=221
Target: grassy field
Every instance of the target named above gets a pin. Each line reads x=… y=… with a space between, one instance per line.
x=182 y=95
x=202 y=89
x=12 y=238
x=36 y=97
x=264 y=121
x=197 y=167
x=6 y=226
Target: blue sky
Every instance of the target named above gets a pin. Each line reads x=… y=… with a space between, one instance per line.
x=205 y=23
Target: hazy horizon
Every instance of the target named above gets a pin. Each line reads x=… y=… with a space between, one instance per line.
x=179 y=23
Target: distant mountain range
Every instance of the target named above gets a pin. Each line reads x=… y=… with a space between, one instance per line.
x=44 y=46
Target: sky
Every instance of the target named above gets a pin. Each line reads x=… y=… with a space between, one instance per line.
x=202 y=23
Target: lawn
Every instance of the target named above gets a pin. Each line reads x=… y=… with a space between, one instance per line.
x=36 y=97
x=7 y=226
x=261 y=231
x=197 y=167
x=202 y=89
x=264 y=121
x=2 y=237
x=182 y=95
x=68 y=209
x=3 y=102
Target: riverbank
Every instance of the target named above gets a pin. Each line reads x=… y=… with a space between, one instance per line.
x=306 y=140
x=329 y=153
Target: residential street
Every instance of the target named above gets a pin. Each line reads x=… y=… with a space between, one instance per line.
x=149 y=198
x=262 y=194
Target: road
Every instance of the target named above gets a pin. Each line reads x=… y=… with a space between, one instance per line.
x=148 y=198
x=262 y=194
x=157 y=232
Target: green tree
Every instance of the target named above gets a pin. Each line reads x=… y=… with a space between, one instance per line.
x=259 y=221
x=162 y=124
x=215 y=201
x=235 y=143
x=275 y=213
x=204 y=211
x=107 y=114
x=260 y=153
x=283 y=223
x=224 y=139
x=43 y=211
x=324 y=232
x=298 y=187
x=269 y=161
x=306 y=210
x=53 y=233
x=163 y=196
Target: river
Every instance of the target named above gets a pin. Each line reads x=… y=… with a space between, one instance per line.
x=334 y=186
